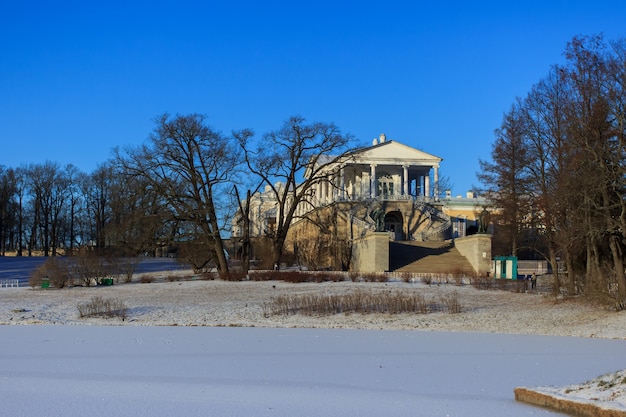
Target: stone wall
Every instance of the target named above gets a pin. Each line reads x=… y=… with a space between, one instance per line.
x=477 y=250
x=371 y=253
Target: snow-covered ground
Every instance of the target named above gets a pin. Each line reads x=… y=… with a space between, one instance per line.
x=206 y=348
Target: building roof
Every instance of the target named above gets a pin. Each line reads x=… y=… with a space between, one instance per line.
x=387 y=152
x=397 y=153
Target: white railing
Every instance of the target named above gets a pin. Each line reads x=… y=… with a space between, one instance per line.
x=440 y=229
x=362 y=225
x=383 y=197
x=433 y=215
x=9 y=283
x=528 y=267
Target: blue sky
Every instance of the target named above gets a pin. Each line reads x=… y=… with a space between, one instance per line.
x=79 y=78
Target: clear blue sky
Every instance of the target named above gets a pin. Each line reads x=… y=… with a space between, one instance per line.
x=78 y=78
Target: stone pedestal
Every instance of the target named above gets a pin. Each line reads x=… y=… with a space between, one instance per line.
x=477 y=250
x=371 y=253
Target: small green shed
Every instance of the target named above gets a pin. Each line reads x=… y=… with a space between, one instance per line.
x=505 y=267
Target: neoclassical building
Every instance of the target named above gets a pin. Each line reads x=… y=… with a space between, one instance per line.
x=387 y=188
x=387 y=170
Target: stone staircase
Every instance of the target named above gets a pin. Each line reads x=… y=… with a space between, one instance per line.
x=426 y=257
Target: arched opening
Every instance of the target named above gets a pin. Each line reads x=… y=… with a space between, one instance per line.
x=393 y=223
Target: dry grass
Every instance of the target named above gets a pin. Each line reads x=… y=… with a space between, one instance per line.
x=362 y=302
x=103 y=307
x=146 y=279
x=296 y=277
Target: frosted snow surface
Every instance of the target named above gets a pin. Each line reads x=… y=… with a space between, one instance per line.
x=607 y=391
x=215 y=371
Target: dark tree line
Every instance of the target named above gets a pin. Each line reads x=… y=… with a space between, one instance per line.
x=175 y=190
x=48 y=209
x=557 y=171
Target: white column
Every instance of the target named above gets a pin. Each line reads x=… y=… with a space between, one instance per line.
x=405 y=180
x=436 y=176
x=330 y=190
x=342 y=183
x=427 y=185
x=318 y=194
x=373 y=181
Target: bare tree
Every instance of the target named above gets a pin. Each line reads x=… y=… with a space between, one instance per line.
x=21 y=186
x=244 y=219
x=48 y=189
x=8 y=190
x=139 y=217
x=573 y=141
x=553 y=171
x=186 y=163
x=594 y=114
x=291 y=161
x=97 y=191
x=73 y=176
x=506 y=177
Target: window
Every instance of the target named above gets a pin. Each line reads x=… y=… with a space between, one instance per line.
x=386 y=186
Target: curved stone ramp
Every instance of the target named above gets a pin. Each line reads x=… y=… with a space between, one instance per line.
x=563 y=405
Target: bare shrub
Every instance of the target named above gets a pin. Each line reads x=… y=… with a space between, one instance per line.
x=452 y=302
x=262 y=275
x=90 y=268
x=55 y=270
x=233 y=276
x=295 y=277
x=146 y=279
x=375 y=277
x=427 y=279
x=354 y=276
x=482 y=283
x=356 y=302
x=501 y=284
x=174 y=278
x=520 y=286
x=457 y=275
x=127 y=267
x=103 y=307
x=604 y=289
x=197 y=255
x=409 y=278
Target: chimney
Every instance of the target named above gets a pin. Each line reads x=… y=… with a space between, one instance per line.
x=374 y=141
x=383 y=138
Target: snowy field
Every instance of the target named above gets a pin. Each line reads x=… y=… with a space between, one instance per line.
x=191 y=348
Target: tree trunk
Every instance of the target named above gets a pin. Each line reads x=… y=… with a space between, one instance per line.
x=556 y=284
x=277 y=250
x=245 y=244
x=618 y=266
x=571 y=274
x=222 y=262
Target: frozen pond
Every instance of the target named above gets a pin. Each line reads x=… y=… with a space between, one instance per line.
x=195 y=371
x=20 y=268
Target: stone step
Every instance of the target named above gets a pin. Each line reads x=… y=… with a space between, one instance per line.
x=426 y=257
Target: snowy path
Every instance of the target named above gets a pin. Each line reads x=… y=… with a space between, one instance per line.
x=198 y=371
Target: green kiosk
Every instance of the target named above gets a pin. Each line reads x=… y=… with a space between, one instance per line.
x=505 y=267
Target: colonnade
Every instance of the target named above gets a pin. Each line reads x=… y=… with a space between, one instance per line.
x=363 y=183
